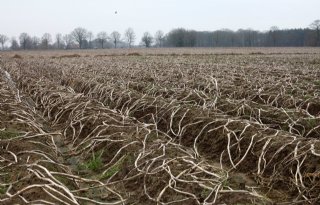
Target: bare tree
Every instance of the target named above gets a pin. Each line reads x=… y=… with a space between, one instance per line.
x=130 y=36
x=249 y=37
x=35 y=42
x=68 y=39
x=90 y=37
x=14 y=44
x=159 y=37
x=46 y=40
x=80 y=35
x=316 y=26
x=25 y=41
x=58 y=40
x=3 y=40
x=115 y=37
x=274 y=34
x=147 y=39
x=102 y=38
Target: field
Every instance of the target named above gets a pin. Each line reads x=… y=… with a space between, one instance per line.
x=160 y=126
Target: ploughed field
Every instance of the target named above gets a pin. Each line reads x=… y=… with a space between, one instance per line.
x=160 y=126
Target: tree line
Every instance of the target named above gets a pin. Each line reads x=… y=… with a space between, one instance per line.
x=81 y=38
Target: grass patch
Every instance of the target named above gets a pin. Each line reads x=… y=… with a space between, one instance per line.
x=8 y=134
x=111 y=171
x=312 y=122
x=152 y=136
x=205 y=193
x=307 y=96
x=317 y=82
x=225 y=183
x=5 y=177
x=3 y=189
x=95 y=163
x=126 y=160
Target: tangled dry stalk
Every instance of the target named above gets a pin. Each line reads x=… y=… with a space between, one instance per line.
x=160 y=129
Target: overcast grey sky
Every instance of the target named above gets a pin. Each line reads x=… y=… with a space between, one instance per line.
x=39 y=16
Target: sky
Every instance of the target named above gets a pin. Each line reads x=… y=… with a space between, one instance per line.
x=61 y=16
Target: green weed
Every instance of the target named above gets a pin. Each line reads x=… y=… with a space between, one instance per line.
x=95 y=163
x=317 y=82
x=307 y=96
x=127 y=159
x=312 y=122
x=205 y=193
x=111 y=171
x=8 y=134
x=3 y=189
x=225 y=183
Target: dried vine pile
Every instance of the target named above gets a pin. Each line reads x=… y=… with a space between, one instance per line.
x=160 y=129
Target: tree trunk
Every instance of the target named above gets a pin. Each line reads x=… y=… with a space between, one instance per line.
x=318 y=36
